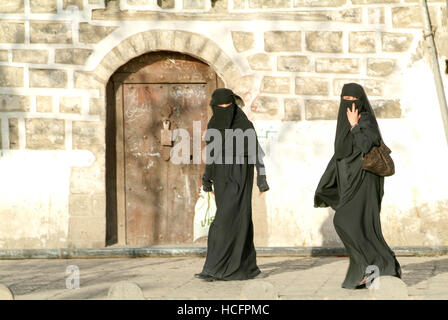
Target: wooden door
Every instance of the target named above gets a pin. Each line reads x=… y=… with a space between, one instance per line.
x=156 y=198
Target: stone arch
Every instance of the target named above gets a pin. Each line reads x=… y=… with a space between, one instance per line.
x=189 y=43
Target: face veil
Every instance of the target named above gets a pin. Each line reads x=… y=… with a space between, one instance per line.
x=223 y=117
x=343 y=144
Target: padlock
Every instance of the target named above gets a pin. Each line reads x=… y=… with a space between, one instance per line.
x=166 y=134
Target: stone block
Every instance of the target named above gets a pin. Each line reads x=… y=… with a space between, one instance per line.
x=321 y=109
x=260 y=61
x=362 y=42
x=10 y=102
x=44 y=104
x=165 y=40
x=275 y=85
x=265 y=105
x=48 y=78
x=139 y=44
x=50 y=32
x=277 y=41
x=43 y=6
x=396 y=42
x=70 y=105
x=12 y=32
x=166 y=4
x=407 y=17
x=242 y=85
x=45 y=133
x=30 y=56
x=93 y=34
x=243 y=41
x=337 y=65
x=72 y=56
x=86 y=80
x=88 y=135
x=11 y=76
x=293 y=110
x=351 y=15
x=379 y=67
x=294 y=64
x=324 y=41
x=386 y=108
x=12 y=6
x=373 y=87
x=312 y=86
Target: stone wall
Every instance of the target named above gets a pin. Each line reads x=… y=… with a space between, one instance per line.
x=288 y=59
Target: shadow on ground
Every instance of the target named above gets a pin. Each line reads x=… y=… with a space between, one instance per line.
x=415 y=273
x=51 y=274
x=293 y=264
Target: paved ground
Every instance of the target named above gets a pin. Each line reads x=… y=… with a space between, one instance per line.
x=172 y=278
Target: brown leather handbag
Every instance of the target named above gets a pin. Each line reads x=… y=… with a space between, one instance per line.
x=379 y=161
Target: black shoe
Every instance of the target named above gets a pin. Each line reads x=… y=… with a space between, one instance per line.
x=204 y=276
x=210 y=278
x=361 y=286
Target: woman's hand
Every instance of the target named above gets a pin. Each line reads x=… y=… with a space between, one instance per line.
x=353 y=115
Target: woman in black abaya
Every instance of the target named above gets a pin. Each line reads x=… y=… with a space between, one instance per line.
x=355 y=193
x=231 y=252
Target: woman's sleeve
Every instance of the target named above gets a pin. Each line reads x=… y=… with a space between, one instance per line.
x=207 y=177
x=365 y=133
x=262 y=184
x=327 y=192
x=261 y=175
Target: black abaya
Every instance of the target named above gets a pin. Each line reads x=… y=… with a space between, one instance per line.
x=231 y=252
x=356 y=196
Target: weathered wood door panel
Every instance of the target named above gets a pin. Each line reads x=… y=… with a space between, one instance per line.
x=159 y=196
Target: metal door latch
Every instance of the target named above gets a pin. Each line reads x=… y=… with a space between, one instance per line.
x=166 y=134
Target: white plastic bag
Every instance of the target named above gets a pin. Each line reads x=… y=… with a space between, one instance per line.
x=204 y=213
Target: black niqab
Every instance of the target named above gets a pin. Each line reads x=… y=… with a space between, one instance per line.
x=223 y=116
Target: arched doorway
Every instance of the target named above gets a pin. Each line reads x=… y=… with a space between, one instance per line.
x=150 y=201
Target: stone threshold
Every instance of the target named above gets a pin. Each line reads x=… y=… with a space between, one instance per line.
x=164 y=251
